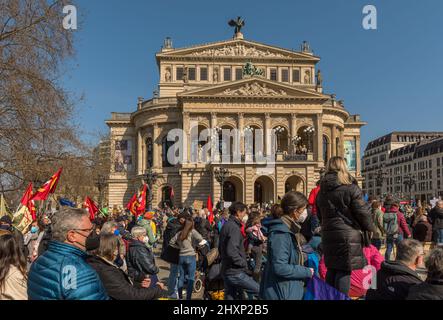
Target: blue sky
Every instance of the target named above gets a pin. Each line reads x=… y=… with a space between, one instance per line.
x=391 y=76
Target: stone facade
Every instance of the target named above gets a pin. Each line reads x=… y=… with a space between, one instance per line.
x=203 y=87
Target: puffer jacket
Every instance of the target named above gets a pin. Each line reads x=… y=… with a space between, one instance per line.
x=61 y=273
x=342 y=243
x=283 y=277
x=429 y=290
x=140 y=261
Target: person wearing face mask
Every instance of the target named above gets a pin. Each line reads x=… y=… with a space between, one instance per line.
x=61 y=272
x=284 y=274
x=117 y=283
x=31 y=241
x=346 y=220
x=140 y=258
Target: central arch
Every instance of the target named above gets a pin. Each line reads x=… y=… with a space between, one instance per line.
x=263 y=190
x=233 y=189
x=294 y=183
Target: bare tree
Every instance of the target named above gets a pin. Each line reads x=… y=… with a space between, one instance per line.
x=37 y=133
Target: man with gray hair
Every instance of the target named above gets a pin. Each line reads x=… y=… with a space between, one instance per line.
x=61 y=272
x=395 y=278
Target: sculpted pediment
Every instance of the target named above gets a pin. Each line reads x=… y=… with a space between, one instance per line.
x=254 y=87
x=238 y=48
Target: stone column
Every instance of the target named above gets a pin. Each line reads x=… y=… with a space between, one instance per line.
x=293 y=131
x=139 y=152
x=186 y=137
x=342 y=143
x=333 y=140
x=240 y=127
x=156 y=146
x=268 y=136
x=214 y=152
x=319 y=135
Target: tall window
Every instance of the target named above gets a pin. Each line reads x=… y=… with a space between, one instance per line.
x=179 y=73
x=165 y=147
x=325 y=149
x=238 y=73
x=149 y=152
x=227 y=74
x=273 y=75
x=191 y=73
x=203 y=74
x=285 y=75
x=296 y=75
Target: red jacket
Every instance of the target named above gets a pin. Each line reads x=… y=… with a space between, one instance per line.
x=312 y=198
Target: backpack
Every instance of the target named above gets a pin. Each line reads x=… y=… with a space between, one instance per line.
x=390 y=224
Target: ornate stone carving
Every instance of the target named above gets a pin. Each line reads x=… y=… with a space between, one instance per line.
x=239 y=50
x=168 y=77
x=254 y=89
x=308 y=76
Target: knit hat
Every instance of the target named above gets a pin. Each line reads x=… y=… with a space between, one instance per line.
x=6 y=220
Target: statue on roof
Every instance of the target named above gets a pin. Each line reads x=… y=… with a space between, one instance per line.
x=238 y=24
x=250 y=70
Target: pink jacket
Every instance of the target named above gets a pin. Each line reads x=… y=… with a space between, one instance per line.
x=374 y=259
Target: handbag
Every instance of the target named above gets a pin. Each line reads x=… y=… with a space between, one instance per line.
x=171 y=255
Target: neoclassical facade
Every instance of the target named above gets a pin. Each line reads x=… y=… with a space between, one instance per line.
x=208 y=87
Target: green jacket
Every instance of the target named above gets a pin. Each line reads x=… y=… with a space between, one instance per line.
x=147 y=225
x=377 y=216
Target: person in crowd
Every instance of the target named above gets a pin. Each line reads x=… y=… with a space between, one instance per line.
x=112 y=227
x=344 y=216
x=422 y=230
x=202 y=225
x=417 y=216
x=255 y=243
x=13 y=275
x=140 y=258
x=116 y=282
x=436 y=218
x=6 y=224
x=223 y=219
x=32 y=240
x=284 y=274
x=187 y=263
x=395 y=227
x=377 y=216
x=395 y=278
x=46 y=237
x=52 y=276
x=168 y=254
x=432 y=288
x=313 y=197
x=233 y=256
x=145 y=222
x=358 y=288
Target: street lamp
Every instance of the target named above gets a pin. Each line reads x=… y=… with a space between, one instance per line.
x=100 y=184
x=309 y=131
x=409 y=180
x=221 y=175
x=150 y=178
x=278 y=131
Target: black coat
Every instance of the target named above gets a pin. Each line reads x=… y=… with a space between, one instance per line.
x=140 y=260
x=203 y=227
x=168 y=253
x=231 y=247
x=394 y=280
x=429 y=290
x=342 y=244
x=117 y=283
x=436 y=218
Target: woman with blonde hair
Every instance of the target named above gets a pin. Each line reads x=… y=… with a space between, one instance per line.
x=345 y=219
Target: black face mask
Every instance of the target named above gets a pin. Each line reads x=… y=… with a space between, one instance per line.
x=92 y=242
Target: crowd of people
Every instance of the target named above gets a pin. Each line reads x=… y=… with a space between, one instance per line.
x=375 y=250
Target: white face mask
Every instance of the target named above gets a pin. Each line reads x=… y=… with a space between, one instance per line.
x=303 y=216
x=146 y=239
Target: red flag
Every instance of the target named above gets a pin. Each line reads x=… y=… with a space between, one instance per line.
x=28 y=202
x=49 y=187
x=211 y=212
x=132 y=204
x=27 y=196
x=142 y=201
x=92 y=208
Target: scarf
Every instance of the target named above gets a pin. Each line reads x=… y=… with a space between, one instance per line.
x=256 y=231
x=295 y=228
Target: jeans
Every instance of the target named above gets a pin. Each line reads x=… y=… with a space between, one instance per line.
x=377 y=243
x=187 y=266
x=339 y=279
x=390 y=241
x=236 y=284
x=172 y=281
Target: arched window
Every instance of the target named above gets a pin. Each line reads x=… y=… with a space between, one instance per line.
x=325 y=148
x=149 y=153
x=165 y=147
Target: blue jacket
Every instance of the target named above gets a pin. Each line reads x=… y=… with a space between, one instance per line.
x=283 y=277
x=61 y=273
